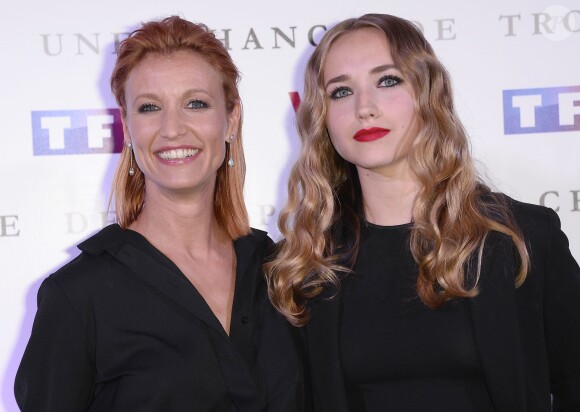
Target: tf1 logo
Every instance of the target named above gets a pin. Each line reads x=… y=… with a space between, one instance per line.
x=58 y=132
x=553 y=109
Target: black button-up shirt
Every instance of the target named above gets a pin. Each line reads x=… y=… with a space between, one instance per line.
x=120 y=328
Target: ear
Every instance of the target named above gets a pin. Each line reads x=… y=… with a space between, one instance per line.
x=234 y=121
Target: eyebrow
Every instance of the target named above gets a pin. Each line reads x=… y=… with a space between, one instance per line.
x=375 y=70
x=153 y=96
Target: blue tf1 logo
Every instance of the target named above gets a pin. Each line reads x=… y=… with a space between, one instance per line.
x=553 y=109
x=59 y=132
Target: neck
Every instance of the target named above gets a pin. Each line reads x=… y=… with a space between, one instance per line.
x=388 y=198
x=184 y=228
x=184 y=223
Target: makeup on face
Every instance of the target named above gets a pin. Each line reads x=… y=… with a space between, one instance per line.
x=371 y=134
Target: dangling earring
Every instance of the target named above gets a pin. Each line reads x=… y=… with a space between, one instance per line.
x=231 y=162
x=131 y=170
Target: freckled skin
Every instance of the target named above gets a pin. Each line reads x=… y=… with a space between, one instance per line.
x=177 y=101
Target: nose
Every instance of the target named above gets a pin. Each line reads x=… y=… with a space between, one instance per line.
x=172 y=123
x=366 y=106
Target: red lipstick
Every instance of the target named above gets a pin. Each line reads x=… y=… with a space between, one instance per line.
x=368 y=135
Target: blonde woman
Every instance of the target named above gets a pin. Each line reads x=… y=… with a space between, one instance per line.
x=419 y=289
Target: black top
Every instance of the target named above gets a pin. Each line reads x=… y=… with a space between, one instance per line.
x=527 y=338
x=120 y=328
x=396 y=352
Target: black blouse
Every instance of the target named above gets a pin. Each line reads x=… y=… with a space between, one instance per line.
x=398 y=354
x=120 y=328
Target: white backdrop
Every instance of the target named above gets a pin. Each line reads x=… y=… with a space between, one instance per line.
x=515 y=66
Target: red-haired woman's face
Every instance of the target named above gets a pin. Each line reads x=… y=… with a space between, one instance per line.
x=177 y=122
x=371 y=114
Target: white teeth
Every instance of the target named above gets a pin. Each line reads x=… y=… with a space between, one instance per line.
x=178 y=154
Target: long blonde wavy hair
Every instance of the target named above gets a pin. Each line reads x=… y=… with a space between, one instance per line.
x=454 y=210
x=167 y=36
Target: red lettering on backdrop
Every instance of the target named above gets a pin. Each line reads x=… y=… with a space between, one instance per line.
x=295 y=99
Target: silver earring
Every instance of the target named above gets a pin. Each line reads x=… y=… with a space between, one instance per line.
x=131 y=170
x=231 y=162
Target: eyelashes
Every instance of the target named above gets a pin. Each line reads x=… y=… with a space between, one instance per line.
x=387 y=81
x=194 y=104
x=197 y=104
x=390 y=81
x=147 y=108
x=340 y=92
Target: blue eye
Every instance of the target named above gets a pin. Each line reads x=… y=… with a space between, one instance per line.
x=389 y=81
x=197 y=104
x=148 y=107
x=340 y=92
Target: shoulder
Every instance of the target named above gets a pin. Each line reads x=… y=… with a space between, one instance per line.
x=532 y=216
x=547 y=244
x=110 y=238
x=535 y=221
x=261 y=236
x=257 y=240
x=96 y=261
x=539 y=227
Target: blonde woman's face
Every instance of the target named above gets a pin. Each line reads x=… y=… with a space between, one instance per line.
x=371 y=117
x=177 y=122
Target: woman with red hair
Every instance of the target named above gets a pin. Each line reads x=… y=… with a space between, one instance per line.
x=167 y=310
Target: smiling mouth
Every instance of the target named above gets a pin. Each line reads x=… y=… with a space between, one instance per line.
x=178 y=154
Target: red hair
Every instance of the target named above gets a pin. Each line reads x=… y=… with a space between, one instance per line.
x=167 y=36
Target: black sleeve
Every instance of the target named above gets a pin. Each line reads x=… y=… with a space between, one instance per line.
x=562 y=319
x=56 y=371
